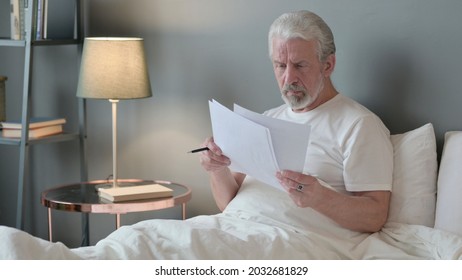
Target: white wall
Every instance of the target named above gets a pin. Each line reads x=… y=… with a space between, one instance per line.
x=400 y=58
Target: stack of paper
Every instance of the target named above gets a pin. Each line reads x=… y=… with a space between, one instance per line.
x=259 y=145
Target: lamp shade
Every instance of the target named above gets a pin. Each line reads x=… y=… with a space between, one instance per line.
x=113 y=68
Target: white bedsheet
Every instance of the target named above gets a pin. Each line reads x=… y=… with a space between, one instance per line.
x=262 y=223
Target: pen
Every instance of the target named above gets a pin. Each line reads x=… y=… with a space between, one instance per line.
x=199 y=150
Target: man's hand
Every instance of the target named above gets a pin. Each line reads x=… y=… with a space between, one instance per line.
x=361 y=211
x=213 y=160
x=224 y=183
x=299 y=186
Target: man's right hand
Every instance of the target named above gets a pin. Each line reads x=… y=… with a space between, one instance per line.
x=213 y=160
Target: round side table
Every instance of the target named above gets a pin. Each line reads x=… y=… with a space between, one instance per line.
x=83 y=197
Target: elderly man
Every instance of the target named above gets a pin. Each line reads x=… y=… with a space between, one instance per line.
x=349 y=149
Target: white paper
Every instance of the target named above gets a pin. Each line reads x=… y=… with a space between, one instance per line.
x=246 y=143
x=259 y=145
x=290 y=140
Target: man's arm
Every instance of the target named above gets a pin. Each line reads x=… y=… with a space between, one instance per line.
x=224 y=183
x=362 y=211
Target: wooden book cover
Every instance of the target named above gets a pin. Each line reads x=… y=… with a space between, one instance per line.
x=34 y=122
x=135 y=192
x=34 y=132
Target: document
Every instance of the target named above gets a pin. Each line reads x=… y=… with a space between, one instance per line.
x=290 y=140
x=259 y=145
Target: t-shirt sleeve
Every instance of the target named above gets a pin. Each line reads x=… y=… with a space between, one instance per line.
x=368 y=156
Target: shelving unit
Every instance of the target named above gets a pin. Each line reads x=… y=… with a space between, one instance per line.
x=28 y=44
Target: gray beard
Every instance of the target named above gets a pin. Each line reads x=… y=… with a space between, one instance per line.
x=297 y=103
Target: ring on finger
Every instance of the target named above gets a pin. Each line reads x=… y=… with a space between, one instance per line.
x=300 y=188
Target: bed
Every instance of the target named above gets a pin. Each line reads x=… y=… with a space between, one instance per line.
x=263 y=223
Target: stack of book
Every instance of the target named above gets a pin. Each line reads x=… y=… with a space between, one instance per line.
x=119 y=194
x=38 y=127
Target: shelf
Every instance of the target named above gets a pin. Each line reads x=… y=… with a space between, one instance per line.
x=12 y=43
x=48 y=139
x=56 y=42
x=22 y=43
x=28 y=45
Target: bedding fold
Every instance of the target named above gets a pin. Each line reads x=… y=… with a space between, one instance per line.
x=261 y=223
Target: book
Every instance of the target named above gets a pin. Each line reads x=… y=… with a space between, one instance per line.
x=34 y=132
x=15 y=19
x=33 y=123
x=118 y=194
x=22 y=18
x=37 y=20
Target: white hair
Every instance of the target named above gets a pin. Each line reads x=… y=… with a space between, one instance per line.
x=305 y=25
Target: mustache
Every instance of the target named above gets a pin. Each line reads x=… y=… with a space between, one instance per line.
x=292 y=87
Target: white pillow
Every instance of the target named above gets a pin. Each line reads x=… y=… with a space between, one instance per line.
x=413 y=197
x=448 y=205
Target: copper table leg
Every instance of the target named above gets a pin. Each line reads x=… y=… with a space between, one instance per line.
x=50 y=229
x=117 y=221
x=184 y=211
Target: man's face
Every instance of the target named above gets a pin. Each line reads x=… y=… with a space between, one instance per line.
x=298 y=71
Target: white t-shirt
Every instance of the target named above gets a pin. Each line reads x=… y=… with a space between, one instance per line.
x=350 y=147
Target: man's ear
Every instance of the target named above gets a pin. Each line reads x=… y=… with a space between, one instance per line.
x=329 y=65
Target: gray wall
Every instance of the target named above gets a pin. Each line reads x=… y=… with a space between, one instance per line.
x=399 y=58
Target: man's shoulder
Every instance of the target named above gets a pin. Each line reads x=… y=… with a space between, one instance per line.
x=352 y=105
x=358 y=115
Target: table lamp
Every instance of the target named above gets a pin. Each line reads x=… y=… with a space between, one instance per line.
x=113 y=69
